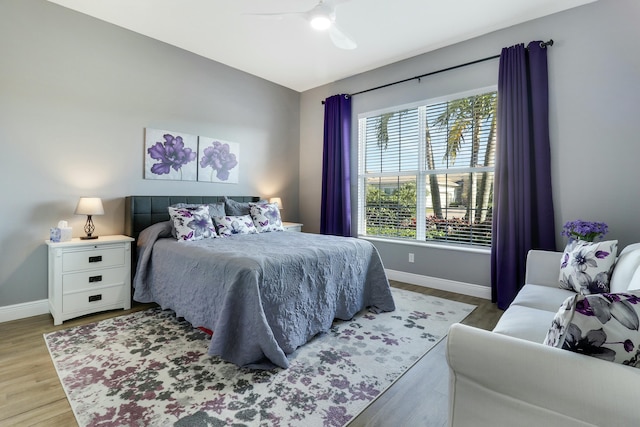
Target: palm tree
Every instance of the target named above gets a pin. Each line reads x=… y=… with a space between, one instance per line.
x=382 y=132
x=485 y=187
x=460 y=117
x=434 y=187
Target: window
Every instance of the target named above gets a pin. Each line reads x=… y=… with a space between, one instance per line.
x=426 y=171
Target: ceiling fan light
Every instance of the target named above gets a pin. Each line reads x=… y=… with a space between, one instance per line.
x=320 y=22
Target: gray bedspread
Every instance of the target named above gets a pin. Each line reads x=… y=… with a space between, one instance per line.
x=263 y=295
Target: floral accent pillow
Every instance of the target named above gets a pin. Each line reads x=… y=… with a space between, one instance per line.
x=266 y=217
x=192 y=223
x=586 y=267
x=215 y=209
x=230 y=225
x=605 y=326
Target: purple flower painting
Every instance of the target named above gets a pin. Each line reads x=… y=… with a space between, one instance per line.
x=218 y=160
x=170 y=155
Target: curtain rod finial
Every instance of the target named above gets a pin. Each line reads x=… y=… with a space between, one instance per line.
x=546 y=44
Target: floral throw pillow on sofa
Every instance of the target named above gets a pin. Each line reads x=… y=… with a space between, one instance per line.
x=586 y=267
x=600 y=325
x=192 y=223
x=266 y=217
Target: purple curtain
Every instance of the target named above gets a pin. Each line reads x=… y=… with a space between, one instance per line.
x=523 y=217
x=335 y=216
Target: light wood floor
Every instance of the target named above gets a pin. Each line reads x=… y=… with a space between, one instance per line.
x=420 y=398
x=31 y=394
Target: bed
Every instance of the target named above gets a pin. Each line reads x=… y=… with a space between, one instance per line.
x=263 y=295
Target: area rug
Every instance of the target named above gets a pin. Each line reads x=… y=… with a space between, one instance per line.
x=151 y=369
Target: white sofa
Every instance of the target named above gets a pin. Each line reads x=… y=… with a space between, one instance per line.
x=507 y=377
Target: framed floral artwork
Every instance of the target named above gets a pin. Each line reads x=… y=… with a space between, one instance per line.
x=218 y=161
x=170 y=155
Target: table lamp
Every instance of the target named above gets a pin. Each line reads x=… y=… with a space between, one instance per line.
x=277 y=201
x=89 y=206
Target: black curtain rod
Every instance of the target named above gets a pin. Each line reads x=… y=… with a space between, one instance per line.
x=426 y=75
x=542 y=45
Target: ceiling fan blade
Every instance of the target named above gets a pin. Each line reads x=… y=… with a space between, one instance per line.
x=333 y=3
x=282 y=14
x=278 y=15
x=341 y=39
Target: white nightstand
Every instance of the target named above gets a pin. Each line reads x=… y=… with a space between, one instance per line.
x=86 y=276
x=292 y=226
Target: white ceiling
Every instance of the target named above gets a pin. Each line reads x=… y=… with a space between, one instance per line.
x=288 y=52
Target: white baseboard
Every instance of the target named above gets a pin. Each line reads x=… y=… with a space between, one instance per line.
x=35 y=308
x=20 y=311
x=470 y=289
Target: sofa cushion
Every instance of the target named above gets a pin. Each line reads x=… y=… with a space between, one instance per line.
x=634 y=284
x=586 y=266
x=541 y=297
x=605 y=326
x=526 y=323
x=626 y=265
x=629 y=248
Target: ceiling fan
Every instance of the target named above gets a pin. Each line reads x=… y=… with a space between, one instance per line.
x=322 y=17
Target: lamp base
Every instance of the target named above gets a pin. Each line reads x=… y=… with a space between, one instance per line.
x=88 y=237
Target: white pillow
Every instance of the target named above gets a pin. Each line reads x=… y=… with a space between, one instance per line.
x=586 y=266
x=626 y=265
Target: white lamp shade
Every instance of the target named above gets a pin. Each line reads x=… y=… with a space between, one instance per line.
x=89 y=206
x=277 y=201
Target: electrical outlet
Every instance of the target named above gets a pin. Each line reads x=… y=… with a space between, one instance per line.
x=411 y=257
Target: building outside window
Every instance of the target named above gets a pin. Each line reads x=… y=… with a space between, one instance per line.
x=425 y=171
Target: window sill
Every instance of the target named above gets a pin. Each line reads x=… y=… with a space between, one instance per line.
x=434 y=245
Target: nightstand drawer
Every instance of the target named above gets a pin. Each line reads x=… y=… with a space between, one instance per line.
x=93 y=299
x=72 y=282
x=93 y=258
x=292 y=226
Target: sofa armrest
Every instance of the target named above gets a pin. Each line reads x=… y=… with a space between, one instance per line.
x=500 y=380
x=543 y=268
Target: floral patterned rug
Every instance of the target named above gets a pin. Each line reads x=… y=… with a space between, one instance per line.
x=151 y=369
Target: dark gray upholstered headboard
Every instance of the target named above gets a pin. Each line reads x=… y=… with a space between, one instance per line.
x=143 y=211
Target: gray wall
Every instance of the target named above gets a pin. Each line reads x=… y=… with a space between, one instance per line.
x=594 y=78
x=77 y=93
x=75 y=96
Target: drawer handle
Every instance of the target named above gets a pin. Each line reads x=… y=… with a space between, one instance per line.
x=93 y=279
x=95 y=258
x=93 y=298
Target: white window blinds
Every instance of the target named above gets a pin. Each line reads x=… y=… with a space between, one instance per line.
x=426 y=172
